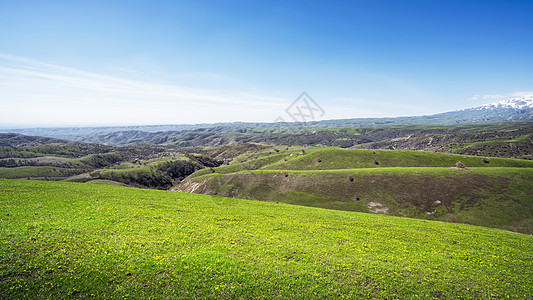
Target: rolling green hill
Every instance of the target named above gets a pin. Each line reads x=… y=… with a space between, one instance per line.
x=71 y=240
x=147 y=166
x=496 y=139
x=335 y=158
x=491 y=192
x=158 y=173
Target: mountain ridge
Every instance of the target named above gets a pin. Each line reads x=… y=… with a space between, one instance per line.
x=510 y=110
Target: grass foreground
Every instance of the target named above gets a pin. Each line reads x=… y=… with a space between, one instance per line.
x=70 y=240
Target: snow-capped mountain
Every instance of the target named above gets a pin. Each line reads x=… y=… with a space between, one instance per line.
x=514 y=103
x=513 y=109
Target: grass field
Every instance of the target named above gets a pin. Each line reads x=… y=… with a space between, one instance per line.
x=72 y=240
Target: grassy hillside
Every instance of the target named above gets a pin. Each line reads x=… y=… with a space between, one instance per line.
x=70 y=240
x=492 y=197
x=334 y=158
x=38 y=172
x=491 y=192
x=314 y=158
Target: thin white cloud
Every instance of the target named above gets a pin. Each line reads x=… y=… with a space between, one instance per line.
x=523 y=94
x=33 y=88
x=500 y=96
x=474 y=97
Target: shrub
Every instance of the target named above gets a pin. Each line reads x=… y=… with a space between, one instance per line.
x=451 y=219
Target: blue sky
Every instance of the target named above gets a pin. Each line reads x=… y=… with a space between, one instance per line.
x=85 y=63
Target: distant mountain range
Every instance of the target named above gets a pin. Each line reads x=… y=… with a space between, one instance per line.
x=511 y=110
x=517 y=109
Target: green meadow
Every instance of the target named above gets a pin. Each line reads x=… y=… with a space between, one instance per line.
x=62 y=240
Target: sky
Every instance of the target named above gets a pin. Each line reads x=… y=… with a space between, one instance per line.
x=102 y=63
